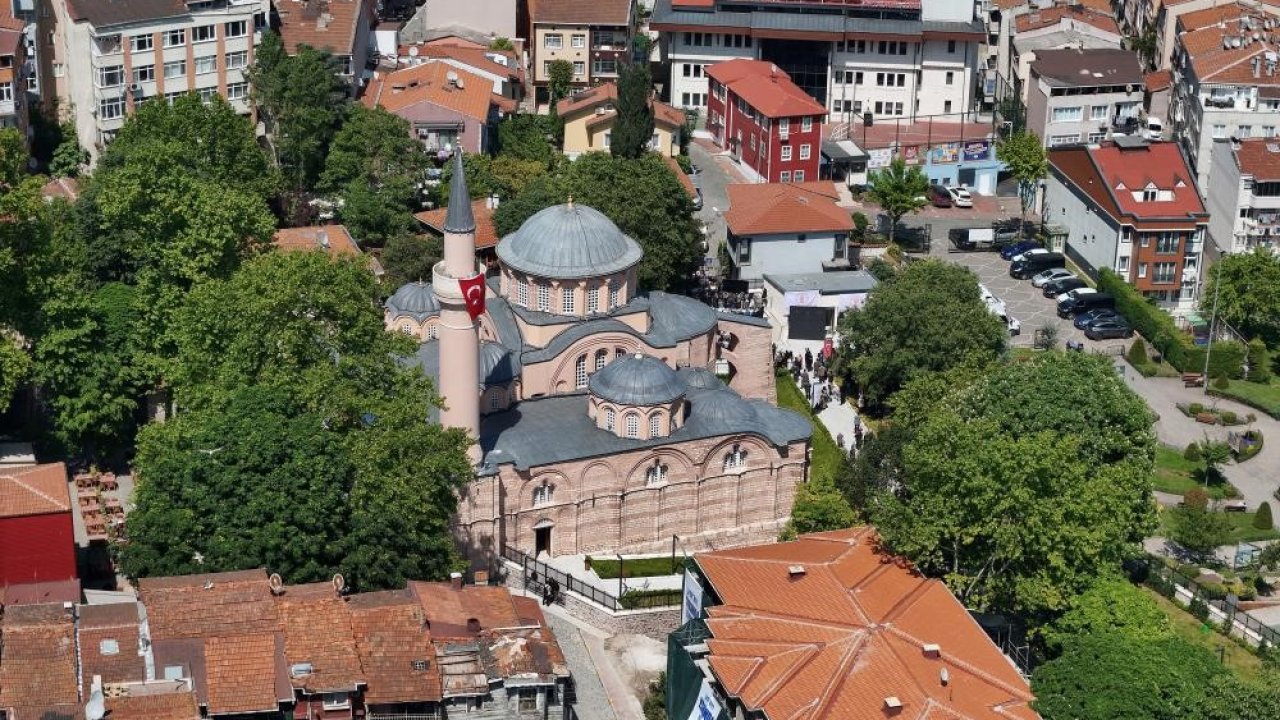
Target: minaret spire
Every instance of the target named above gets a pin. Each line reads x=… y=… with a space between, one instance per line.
x=459 y=218
x=458 y=337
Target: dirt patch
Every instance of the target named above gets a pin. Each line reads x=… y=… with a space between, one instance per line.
x=637 y=659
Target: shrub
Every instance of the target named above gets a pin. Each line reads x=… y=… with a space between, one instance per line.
x=1190 y=571
x=1259 y=362
x=860 y=223
x=1214 y=590
x=686 y=165
x=1262 y=517
x=1221 y=382
x=1138 y=353
x=1192 y=453
x=1199 y=609
x=1229 y=418
x=1195 y=409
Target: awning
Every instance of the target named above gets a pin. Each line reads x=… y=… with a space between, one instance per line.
x=838 y=150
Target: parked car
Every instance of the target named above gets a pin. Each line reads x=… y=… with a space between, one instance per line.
x=1084 y=303
x=960 y=197
x=1073 y=293
x=697 y=199
x=1155 y=129
x=1017 y=248
x=1065 y=285
x=1108 y=330
x=1029 y=253
x=939 y=197
x=1035 y=262
x=980 y=238
x=1051 y=275
x=1085 y=319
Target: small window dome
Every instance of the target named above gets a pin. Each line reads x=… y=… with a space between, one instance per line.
x=416 y=299
x=566 y=242
x=637 y=379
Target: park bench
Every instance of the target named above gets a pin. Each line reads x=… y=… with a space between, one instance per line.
x=1192 y=380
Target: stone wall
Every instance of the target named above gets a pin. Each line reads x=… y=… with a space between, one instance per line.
x=752 y=358
x=656 y=623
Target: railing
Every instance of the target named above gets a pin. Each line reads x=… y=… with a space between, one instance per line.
x=537 y=574
x=1164 y=580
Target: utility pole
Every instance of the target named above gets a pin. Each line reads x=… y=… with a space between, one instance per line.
x=1213 y=319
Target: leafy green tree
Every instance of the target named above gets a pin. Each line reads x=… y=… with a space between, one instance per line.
x=877 y=467
x=1262 y=516
x=898 y=189
x=68 y=157
x=1026 y=486
x=819 y=506
x=505 y=176
x=1227 y=697
x=1245 y=290
x=373 y=166
x=302 y=101
x=525 y=136
x=928 y=317
x=1259 y=362
x=501 y=43
x=1196 y=527
x=559 y=81
x=633 y=127
x=1213 y=454
x=1024 y=156
x=15 y=365
x=372 y=216
x=1118 y=675
x=1110 y=605
x=1137 y=353
x=407 y=258
x=13 y=157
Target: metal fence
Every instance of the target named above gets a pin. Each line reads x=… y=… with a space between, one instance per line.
x=1166 y=581
x=537 y=574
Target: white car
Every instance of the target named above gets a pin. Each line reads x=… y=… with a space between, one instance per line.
x=1155 y=129
x=985 y=293
x=1075 y=293
x=1029 y=253
x=960 y=197
x=1048 y=276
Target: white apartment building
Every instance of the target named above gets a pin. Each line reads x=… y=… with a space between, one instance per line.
x=1244 y=201
x=891 y=58
x=107 y=57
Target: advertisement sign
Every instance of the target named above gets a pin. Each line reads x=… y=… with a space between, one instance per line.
x=691 y=607
x=911 y=154
x=977 y=150
x=707 y=706
x=945 y=154
x=879 y=158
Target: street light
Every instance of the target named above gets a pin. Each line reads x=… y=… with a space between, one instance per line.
x=621 y=573
x=1213 y=319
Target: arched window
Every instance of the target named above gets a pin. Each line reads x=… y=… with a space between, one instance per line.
x=656 y=474
x=609 y=419
x=406 y=328
x=567 y=297
x=593 y=298
x=543 y=494
x=580 y=372
x=735 y=459
x=633 y=425
x=602 y=358
x=544 y=297
x=655 y=426
x=522 y=292
x=619 y=352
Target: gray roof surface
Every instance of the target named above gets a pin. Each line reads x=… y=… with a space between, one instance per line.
x=637 y=305
x=100 y=13
x=737 y=317
x=842 y=150
x=790 y=20
x=672 y=319
x=416 y=299
x=557 y=429
x=497 y=364
x=458 y=218
x=1101 y=66
x=637 y=379
x=1060 y=39
x=568 y=242
x=832 y=283
x=699 y=378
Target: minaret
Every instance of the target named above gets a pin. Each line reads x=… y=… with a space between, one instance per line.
x=459 y=339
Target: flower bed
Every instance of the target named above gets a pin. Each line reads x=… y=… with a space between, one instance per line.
x=1213 y=416
x=1248 y=445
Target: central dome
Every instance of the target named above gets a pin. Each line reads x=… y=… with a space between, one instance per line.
x=637 y=380
x=567 y=242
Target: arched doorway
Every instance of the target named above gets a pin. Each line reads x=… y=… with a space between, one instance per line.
x=542 y=537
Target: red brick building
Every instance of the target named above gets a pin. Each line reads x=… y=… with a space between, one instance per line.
x=37 y=539
x=771 y=126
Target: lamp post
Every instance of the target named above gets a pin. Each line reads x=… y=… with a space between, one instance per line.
x=621 y=574
x=1213 y=319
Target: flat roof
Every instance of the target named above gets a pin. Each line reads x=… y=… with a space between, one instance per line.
x=828 y=283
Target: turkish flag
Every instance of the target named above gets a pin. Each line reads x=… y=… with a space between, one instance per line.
x=828 y=347
x=473 y=293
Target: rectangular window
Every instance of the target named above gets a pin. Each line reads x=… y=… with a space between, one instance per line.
x=553 y=42
x=1122 y=263
x=1142 y=270
x=798 y=176
x=785 y=176
x=786 y=153
x=238 y=28
x=170 y=97
x=744 y=244
x=1097 y=137
x=1164 y=272
x=805 y=150
x=111 y=76
x=144 y=73
x=203 y=33
x=111 y=108
x=1244 y=131
x=593 y=300
x=544 y=297
x=141 y=43
x=207 y=64
x=237 y=91
x=806 y=124
x=578 y=41
x=1055 y=140
x=237 y=60
x=1167 y=243
x=841 y=244
x=946 y=107
x=1219 y=132
x=1068 y=114
x=951 y=77
x=522 y=293
x=207 y=94
x=567 y=300
x=579 y=68
x=6 y=92
x=784 y=126
x=1099 y=113
x=175 y=69
x=1268 y=131
x=951 y=46
x=175 y=38
x=604 y=67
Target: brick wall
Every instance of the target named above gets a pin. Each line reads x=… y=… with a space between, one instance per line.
x=656 y=623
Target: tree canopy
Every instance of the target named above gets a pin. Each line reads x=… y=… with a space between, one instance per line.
x=407 y=258
x=1110 y=605
x=1245 y=289
x=374 y=166
x=1024 y=155
x=633 y=127
x=898 y=189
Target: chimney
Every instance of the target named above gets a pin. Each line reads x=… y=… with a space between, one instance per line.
x=795 y=571
x=455 y=580
x=932 y=650
x=481 y=577
x=322 y=239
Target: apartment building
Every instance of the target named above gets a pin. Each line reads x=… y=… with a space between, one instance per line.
x=1225 y=86
x=22 y=15
x=1133 y=207
x=15 y=70
x=338 y=27
x=1244 y=201
x=107 y=57
x=1071 y=26
x=765 y=121
x=593 y=35
x=1079 y=96
x=892 y=58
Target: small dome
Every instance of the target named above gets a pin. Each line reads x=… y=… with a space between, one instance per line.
x=416 y=299
x=566 y=242
x=698 y=378
x=496 y=364
x=637 y=380
x=722 y=408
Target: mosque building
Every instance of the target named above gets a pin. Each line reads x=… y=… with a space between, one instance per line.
x=607 y=420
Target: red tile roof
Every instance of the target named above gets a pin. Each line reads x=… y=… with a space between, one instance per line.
x=109 y=643
x=34 y=490
x=334 y=239
x=1213 y=63
x=209 y=605
x=607 y=93
x=450 y=610
x=850 y=631
x=1159 y=80
x=38 y=675
x=1259 y=157
x=328 y=25
x=54 y=591
x=241 y=671
x=765 y=208
x=1109 y=175
x=581 y=12
x=158 y=706
x=486 y=233
x=317 y=630
x=765 y=87
x=1048 y=17
x=391 y=633
x=479 y=58
x=429 y=83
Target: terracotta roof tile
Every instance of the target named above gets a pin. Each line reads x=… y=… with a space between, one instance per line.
x=334 y=239
x=765 y=87
x=763 y=208
x=158 y=706
x=429 y=83
x=34 y=490
x=209 y=605
x=1212 y=63
x=317 y=630
x=1048 y=17
x=109 y=644
x=486 y=233
x=391 y=635
x=240 y=671
x=604 y=93
x=1100 y=171
x=581 y=12
x=53 y=591
x=1259 y=157
x=478 y=58
x=38 y=667
x=1158 y=80
x=837 y=640
x=450 y=610
x=328 y=25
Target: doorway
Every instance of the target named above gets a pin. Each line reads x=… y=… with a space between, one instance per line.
x=541 y=541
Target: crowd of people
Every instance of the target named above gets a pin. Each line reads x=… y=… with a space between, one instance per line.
x=822 y=388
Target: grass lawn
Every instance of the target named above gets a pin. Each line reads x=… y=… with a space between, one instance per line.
x=1175 y=474
x=826 y=458
x=1264 y=396
x=638 y=567
x=1237 y=659
x=1242 y=529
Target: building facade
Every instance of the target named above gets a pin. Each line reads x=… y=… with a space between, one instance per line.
x=447 y=108
x=589 y=115
x=786 y=228
x=16 y=71
x=893 y=58
x=37 y=540
x=1084 y=97
x=107 y=57
x=1133 y=207
x=765 y=121
x=594 y=36
x=1027 y=30
x=1244 y=200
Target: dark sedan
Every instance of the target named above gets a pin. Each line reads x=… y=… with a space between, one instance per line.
x=1085 y=319
x=1108 y=330
x=1009 y=252
x=1057 y=287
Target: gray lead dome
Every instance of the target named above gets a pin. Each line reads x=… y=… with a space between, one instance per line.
x=637 y=380
x=567 y=242
x=416 y=299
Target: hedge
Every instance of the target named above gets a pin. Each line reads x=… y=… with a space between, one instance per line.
x=1158 y=328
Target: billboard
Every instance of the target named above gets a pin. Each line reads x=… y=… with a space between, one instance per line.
x=707 y=707
x=976 y=150
x=691 y=607
x=945 y=154
x=879 y=158
x=911 y=154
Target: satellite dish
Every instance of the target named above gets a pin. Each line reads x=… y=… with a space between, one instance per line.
x=339 y=583
x=276 y=582
x=413 y=51
x=96 y=708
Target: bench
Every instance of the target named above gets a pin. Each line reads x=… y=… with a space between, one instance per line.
x=1192 y=380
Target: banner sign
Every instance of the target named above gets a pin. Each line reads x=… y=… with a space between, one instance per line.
x=691 y=607
x=879 y=158
x=977 y=150
x=707 y=706
x=945 y=154
x=911 y=154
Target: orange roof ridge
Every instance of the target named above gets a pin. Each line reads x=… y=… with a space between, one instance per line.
x=34 y=490
x=962 y=664
x=842 y=675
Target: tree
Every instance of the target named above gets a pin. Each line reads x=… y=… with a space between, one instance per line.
x=1262 y=516
x=1213 y=454
x=374 y=166
x=13 y=157
x=1027 y=485
x=68 y=156
x=655 y=701
x=1195 y=527
x=1259 y=362
x=928 y=317
x=1138 y=353
x=898 y=189
x=502 y=43
x=1244 y=290
x=1117 y=675
x=407 y=258
x=876 y=469
x=633 y=127
x=525 y=136
x=818 y=507
x=1110 y=605
x=1024 y=156
x=1227 y=697
x=559 y=81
